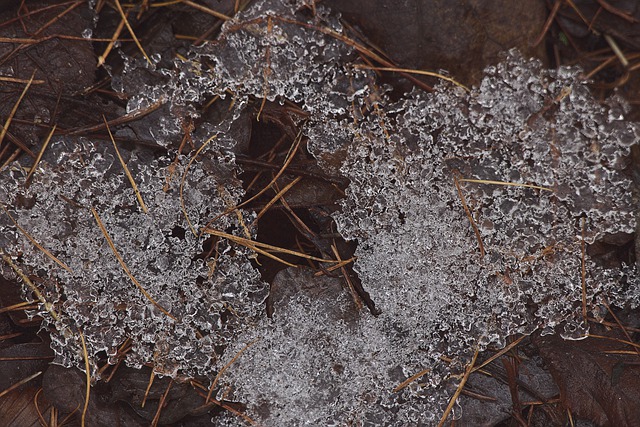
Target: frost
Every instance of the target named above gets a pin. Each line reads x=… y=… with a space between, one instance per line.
x=548 y=163
x=211 y=303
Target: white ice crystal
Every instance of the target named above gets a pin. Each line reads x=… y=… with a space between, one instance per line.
x=548 y=163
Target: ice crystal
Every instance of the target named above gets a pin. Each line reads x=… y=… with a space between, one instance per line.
x=470 y=210
x=96 y=296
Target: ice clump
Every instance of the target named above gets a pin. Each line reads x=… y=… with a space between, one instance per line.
x=210 y=299
x=409 y=163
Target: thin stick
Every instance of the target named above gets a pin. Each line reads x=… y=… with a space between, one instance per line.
x=88 y=374
x=124 y=265
x=126 y=169
x=35 y=243
x=413 y=71
x=458 y=390
x=135 y=38
x=510 y=184
x=468 y=212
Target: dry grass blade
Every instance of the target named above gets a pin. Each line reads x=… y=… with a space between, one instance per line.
x=252 y=244
x=19 y=383
x=458 y=390
x=225 y=367
x=184 y=177
x=126 y=169
x=135 y=38
x=87 y=368
x=468 y=212
x=124 y=265
x=412 y=71
x=409 y=380
x=505 y=183
x=35 y=243
x=48 y=306
x=40 y=154
x=7 y=122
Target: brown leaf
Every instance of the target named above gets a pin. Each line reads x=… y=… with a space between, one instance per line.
x=595 y=384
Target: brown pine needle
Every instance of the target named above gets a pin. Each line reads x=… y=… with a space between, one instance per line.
x=498 y=354
x=345 y=274
x=136 y=190
x=19 y=383
x=583 y=271
x=468 y=212
x=88 y=374
x=47 y=305
x=412 y=71
x=40 y=154
x=184 y=177
x=205 y=9
x=458 y=390
x=161 y=403
x=7 y=122
x=225 y=367
x=135 y=38
x=146 y=392
x=252 y=244
x=102 y=58
x=124 y=265
x=16 y=80
x=409 y=380
x=25 y=305
x=35 y=243
x=277 y=197
x=505 y=183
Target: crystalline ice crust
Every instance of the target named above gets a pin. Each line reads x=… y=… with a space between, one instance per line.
x=548 y=163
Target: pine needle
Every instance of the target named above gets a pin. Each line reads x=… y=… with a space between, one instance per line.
x=511 y=184
x=40 y=154
x=126 y=169
x=458 y=390
x=468 y=212
x=19 y=383
x=135 y=38
x=412 y=71
x=7 y=122
x=35 y=243
x=256 y=246
x=184 y=177
x=47 y=305
x=88 y=374
x=225 y=367
x=124 y=265
x=411 y=379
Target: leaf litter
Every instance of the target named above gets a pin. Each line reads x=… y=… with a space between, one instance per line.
x=460 y=243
